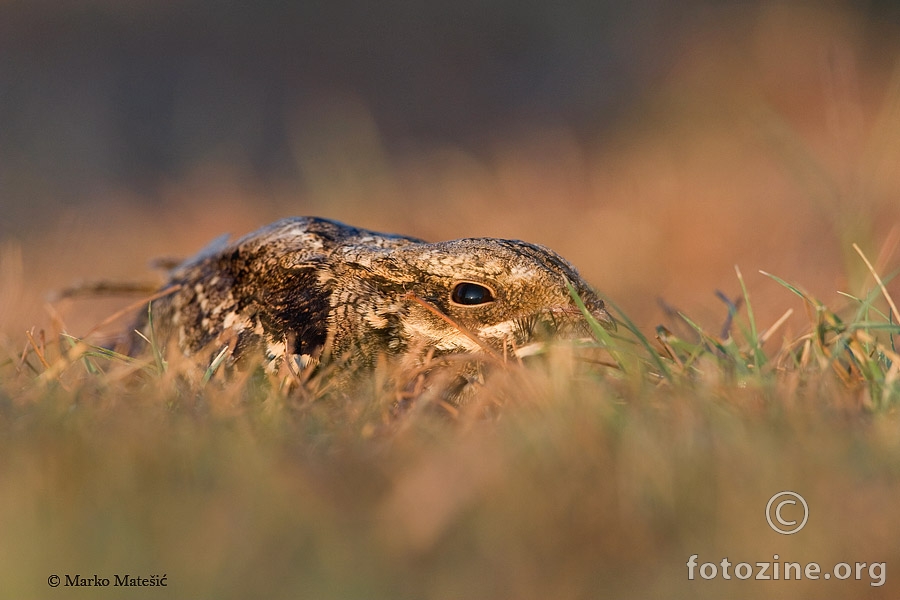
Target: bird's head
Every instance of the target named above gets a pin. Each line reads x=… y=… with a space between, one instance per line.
x=476 y=294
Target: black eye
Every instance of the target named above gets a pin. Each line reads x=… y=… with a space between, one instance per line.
x=469 y=294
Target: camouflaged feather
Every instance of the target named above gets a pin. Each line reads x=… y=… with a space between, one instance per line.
x=306 y=290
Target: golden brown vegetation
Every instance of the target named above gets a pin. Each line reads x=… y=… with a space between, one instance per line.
x=589 y=479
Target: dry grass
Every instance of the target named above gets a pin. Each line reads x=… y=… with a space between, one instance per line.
x=591 y=479
x=772 y=145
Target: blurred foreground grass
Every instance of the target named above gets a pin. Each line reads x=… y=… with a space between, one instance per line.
x=594 y=479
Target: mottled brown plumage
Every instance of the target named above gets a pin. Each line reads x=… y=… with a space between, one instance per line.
x=307 y=291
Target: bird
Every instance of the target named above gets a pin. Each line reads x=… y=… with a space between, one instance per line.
x=306 y=292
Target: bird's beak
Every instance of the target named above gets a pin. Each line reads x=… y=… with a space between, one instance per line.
x=605 y=319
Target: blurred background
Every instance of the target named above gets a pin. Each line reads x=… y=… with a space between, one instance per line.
x=654 y=144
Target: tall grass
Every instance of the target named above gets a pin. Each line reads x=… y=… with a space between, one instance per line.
x=599 y=471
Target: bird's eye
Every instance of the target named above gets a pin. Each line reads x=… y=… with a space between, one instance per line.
x=470 y=294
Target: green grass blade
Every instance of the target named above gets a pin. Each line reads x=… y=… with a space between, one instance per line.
x=214 y=365
x=759 y=358
x=600 y=333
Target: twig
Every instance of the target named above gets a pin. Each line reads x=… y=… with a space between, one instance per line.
x=37 y=349
x=100 y=288
x=765 y=335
